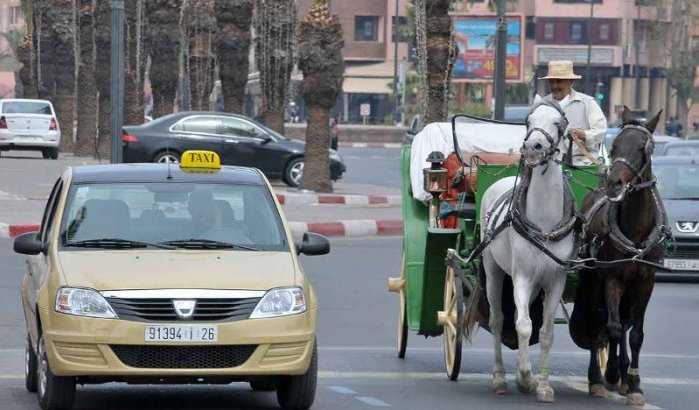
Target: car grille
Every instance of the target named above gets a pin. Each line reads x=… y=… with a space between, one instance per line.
x=682 y=250
x=183 y=357
x=162 y=310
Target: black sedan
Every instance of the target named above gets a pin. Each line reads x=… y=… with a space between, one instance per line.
x=237 y=139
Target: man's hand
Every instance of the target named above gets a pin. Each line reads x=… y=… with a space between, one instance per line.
x=577 y=134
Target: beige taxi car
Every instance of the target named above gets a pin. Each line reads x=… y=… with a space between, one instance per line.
x=164 y=273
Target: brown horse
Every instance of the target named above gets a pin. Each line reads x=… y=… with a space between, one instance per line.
x=625 y=221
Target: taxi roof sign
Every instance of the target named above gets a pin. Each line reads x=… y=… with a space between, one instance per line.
x=200 y=161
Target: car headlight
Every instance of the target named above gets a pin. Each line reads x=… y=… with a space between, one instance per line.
x=280 y=302
x=83 y=302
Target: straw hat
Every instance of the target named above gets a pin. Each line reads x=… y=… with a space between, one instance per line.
x=561 y=70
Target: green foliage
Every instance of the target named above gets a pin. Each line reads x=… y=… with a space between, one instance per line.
x=8 y=60
x=477 y=110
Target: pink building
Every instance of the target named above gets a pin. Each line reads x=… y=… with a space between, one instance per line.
x=11 y=18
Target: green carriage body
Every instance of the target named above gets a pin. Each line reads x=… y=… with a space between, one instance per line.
x=425 y=248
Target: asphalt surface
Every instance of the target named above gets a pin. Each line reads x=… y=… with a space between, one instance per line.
x=377 y=166
x=358 y=364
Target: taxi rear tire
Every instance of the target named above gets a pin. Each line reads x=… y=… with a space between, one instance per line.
x=30 y=367
x=54 y=392
x=298 y=392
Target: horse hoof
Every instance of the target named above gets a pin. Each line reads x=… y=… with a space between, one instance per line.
x=597 y=390
x=636 y=400
x=525 y=383
x=623 y=389
x=611 y=386
x=544 y=394
x=500 y=386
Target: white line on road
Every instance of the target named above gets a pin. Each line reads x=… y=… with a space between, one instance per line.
x=342 y=390
x=372 y=401
x=613 y=396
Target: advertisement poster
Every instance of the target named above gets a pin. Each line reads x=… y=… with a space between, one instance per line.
x=475 y=36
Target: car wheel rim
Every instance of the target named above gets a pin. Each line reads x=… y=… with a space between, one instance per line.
x=297 y=172
x=43 y=369
x=168 y=159
x=26 y=361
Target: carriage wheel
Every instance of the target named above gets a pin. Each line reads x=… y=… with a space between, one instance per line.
x=451 y=318
x=602 y=357
x=402 y=316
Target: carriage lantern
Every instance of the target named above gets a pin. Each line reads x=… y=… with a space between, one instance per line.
x=435 y=176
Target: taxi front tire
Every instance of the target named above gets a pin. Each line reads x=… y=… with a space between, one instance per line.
x=298 y=392
x=54 y=392
x=30 y=367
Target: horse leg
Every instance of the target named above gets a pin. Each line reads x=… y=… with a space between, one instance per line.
x=624 y=361
x=494 y=285
x=613 y=294
x=594 y=375
x=522 y=296
x=544 y=391
x=633 y=379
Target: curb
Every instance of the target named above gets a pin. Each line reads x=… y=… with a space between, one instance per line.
x=331 y=199
x=357 y=227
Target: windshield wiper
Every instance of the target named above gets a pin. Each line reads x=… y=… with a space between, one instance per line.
x=116 y=243
x=207 y=244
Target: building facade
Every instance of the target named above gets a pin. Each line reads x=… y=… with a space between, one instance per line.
x=11 y=18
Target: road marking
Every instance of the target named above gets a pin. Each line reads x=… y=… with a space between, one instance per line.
x=372 y=401
x=490 y=351
x=612 y=396
x=342 y=390
x=659 y=381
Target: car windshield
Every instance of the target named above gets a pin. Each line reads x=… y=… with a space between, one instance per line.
x=26 y=107
x=677 y=181
x=172 y=215
x=682 y=150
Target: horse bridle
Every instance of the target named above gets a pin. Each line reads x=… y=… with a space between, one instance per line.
x=553 y=144
x=637 y=183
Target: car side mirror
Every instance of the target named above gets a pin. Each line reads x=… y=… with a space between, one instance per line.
x=265 y=138
x=313 y=244
x=29 y=244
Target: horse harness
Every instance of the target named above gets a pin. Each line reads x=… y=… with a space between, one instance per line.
x=553 y=143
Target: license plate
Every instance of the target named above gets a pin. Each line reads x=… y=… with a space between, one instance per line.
x=192 y=333
x=682 y=264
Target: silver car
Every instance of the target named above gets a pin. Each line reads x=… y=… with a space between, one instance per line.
x=678 y=183
x=29 y=125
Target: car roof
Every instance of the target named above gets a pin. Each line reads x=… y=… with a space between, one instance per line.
x=159 y=173
x=666 y=138
x=25 y=100
x=682 y=143
x=675 y=160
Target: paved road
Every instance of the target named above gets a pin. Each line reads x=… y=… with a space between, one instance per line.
x=377 y=166
x=358 y=367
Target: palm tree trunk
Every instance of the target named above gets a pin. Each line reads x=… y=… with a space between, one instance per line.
x=164 y=47
x=103 y=77
x=320 y=60
x=441 y=52
x=232 y=41
x=26 y=54
x=274 y=50
x=86 y=138
x=201 y=26
x=134 y=104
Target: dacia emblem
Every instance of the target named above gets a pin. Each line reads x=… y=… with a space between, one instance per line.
x=184 y=308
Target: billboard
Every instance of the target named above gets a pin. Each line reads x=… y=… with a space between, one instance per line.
x=475 y=36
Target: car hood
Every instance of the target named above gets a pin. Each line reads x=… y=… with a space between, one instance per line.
x=177 y=269
x=683 y=217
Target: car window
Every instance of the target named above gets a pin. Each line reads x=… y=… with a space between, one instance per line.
x=682 y=150
x=677 y=181
x=26 y=107
x=204 y=125
x=238 y=128
x=50 y=210
x=163 y=212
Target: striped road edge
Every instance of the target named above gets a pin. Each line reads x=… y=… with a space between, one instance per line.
x=330 y=199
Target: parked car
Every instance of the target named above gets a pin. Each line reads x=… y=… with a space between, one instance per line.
x=29 y=125
x=237 y=139
x=515 y=113
x=660 y=142
x=681 y=148
x=678 y=184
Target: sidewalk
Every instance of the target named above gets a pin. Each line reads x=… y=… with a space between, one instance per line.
x=351 y=210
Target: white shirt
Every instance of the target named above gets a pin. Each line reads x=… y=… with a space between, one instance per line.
x=583 y=112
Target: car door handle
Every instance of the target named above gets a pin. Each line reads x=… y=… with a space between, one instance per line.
x=231 y=141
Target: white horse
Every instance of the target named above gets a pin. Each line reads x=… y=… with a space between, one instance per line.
x=544 y=203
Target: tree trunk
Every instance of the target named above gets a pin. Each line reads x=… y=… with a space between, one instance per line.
x=441 y=52
x=275 y=22
x=103 y=77
x=86 y=140
x=201 y=26
x=134 y=104
x=232 y=43
x=26 y=54
x=322 y=64
x=164 y=48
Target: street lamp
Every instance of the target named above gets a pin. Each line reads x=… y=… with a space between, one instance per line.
x=500 y=55
x=117 y=78
x=589 y=46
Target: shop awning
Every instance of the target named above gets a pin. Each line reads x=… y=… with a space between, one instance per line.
x=353 y=85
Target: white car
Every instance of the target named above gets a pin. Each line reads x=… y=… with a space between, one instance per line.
x=29 y=125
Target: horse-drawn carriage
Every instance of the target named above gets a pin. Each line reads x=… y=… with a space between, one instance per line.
x=449 y=221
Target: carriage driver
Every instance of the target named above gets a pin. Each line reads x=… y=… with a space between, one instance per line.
x=586 y=122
